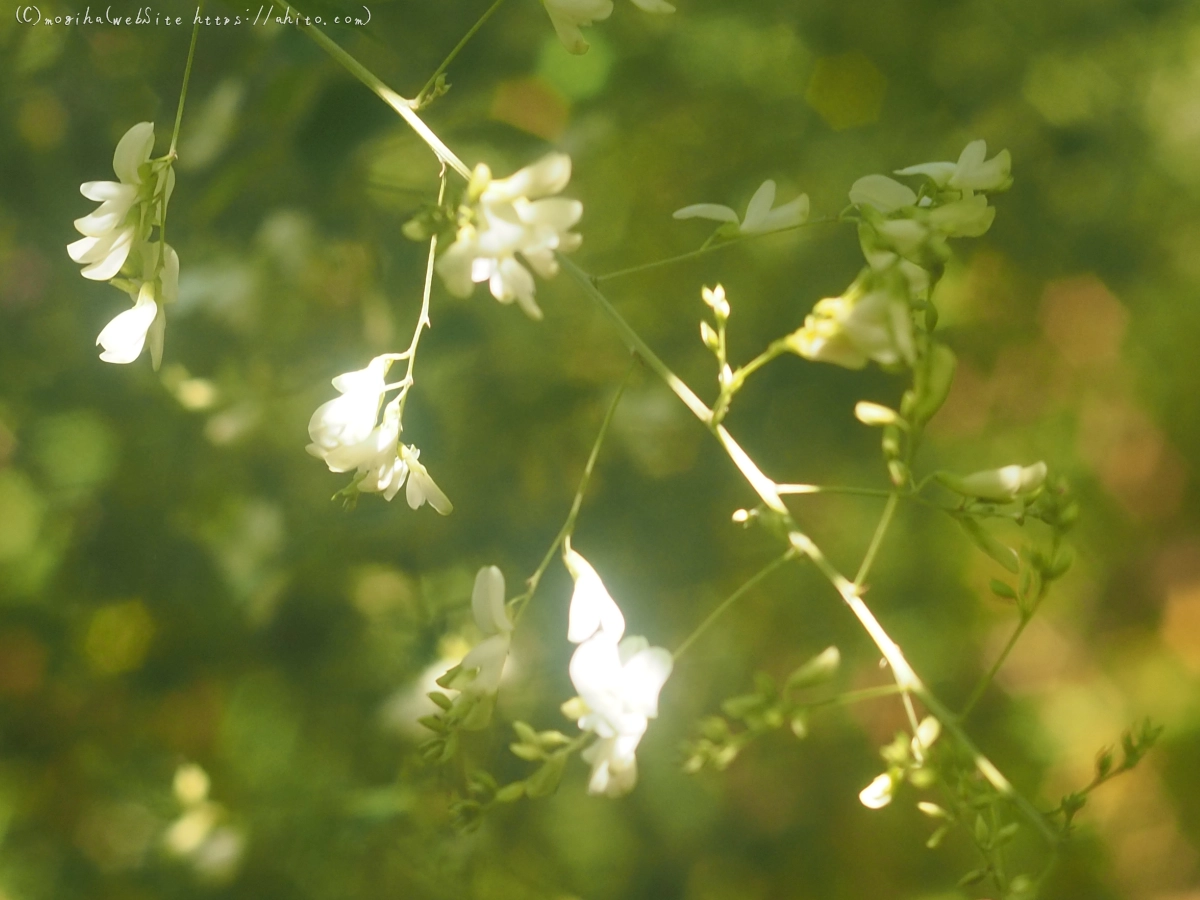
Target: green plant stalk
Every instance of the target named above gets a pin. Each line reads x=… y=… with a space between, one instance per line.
x=187 y=75
x=391 y=98
x=725 y=604
x=708 y=247
x=466 y=38
x=564 y=534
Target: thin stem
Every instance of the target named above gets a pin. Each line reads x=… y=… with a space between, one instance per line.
x=568 y=528
x=423 y=319
x=391 y=98
x=705 y=250
x=832 y=489
x=725 y=604
x=851 y=697
x=457 y=49
x=187 y=75
x=986 y=680
x=885 y=521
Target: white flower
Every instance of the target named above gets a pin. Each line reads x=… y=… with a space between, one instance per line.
x=510 y=216
x=884 y=194
x=421 y=487
x=107 y=236
x=856 y=327
x=760 y=218
x=488 y=656
x=1002 y=485
x=878 y=793
x=972 y=172
x=343 y=429
x=592 y=608
x=124 y=337
x=619 y=684
x=568 y=15
x=968 y=217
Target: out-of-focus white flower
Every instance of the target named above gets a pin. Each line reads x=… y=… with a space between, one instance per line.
x=760 y=217
x=421 y=487
x=618 y=684
x=882 y=193
x=618 y=681
x=856 y=327
x=108 y=236
x=489 y=655
x=124 y=337
x=972 y=172
x=340 y=427
x=1002 y=485
x=508 y=216
x=968 y=217
x=878 y=793
x=592 y=608
x=200 y=835
x=568 y=16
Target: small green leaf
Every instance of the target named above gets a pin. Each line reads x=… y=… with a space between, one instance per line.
x=986 y=542
x=545 y=780
x=1001 y=589
x=511 y=792
x=819 y=669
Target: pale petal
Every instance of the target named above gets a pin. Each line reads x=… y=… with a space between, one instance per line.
x=643 y=678
x=132 y=150
x=542 y=261
x=488 y=656
x=655 y=6
x=487 y=601
x=102 y=191
x=760 y=204
x=454 y=267
x=883 y=193
x=512 y=280
x=878 y=793
x=422 y=489
x=787 y=216
x=939 y=172
x=108 y=255
x=592 y=608
x=713 y=211
x=548 y=175
x=156 y=336
x=124 y=337
x=557 y=213
x=170 y=275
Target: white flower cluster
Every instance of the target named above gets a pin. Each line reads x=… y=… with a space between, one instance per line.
x=760 y=218
x=903 y=235
x=117 y=238
x=568 y=16
x=507 y=216
x=618 y=679
x=348 y=435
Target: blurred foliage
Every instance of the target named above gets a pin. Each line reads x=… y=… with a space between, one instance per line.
x=177 y=587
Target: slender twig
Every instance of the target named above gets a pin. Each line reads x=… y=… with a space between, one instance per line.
x=187 y=75
x=391 y=98
x=423 y=319
x=709 y=246
x=457 y=49
x=885 y=521
x=519 y=603
x=724 y=605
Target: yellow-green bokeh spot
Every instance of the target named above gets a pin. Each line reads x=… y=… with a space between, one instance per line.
x=118 y=637
x=846 y=90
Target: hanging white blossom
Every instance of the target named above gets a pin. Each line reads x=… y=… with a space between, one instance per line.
x=510 y=216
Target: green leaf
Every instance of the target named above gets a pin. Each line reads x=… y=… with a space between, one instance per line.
x=545 y=780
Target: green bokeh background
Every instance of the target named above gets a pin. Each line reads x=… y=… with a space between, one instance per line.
x=176 y=585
